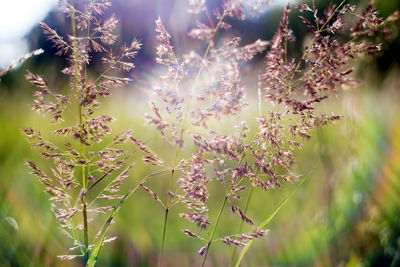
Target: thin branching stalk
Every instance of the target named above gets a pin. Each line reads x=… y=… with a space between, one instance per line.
x=303 y=57
x=20 y=60
x=213 y=230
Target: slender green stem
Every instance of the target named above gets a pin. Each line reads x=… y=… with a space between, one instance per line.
x=85 y=229
x=167 y=206
x=163 y=236
x=241 y=224
x=81 y=124
x=213 y=231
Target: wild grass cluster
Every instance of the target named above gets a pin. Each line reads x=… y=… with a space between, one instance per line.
x=196 y=90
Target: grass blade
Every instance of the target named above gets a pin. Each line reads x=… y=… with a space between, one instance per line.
x=267 y=220
x=96 y=249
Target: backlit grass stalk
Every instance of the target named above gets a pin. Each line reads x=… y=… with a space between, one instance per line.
x=70 y=180
x=210 y=239
x=167 y=207
x=83 y=152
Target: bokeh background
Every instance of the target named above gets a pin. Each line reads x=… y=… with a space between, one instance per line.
x=346 y=214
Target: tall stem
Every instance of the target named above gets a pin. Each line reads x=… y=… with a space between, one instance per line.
x=213 y=230
x=81 y=124
x=163 y=236
x=167 y=206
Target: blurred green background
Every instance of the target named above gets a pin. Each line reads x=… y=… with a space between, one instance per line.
x=346 y=214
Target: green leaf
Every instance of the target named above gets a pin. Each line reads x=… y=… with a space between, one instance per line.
x=11 y=221
x=267 y=220
x=96 y=249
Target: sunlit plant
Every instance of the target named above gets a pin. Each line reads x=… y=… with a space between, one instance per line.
x=197 y=89
x=78 y=166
